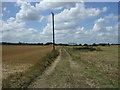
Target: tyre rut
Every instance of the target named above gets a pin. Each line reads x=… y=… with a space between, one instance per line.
x=63 y=73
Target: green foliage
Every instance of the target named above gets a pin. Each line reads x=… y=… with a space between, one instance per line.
x=87 y=48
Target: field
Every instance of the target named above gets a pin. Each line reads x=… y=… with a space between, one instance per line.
x=75 y=67
x=18 y=58
x=99 y=65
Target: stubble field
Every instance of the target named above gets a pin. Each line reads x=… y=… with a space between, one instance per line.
x=100 y=66
x=18 y=58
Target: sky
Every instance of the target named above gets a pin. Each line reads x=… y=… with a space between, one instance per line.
x=75 y=22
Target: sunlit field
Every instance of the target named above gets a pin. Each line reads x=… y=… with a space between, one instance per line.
x=99 y=64
x=18 y=58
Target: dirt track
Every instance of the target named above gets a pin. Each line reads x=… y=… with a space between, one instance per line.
x=63 y=73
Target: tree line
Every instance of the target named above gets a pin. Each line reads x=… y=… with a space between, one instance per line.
x=50 y=43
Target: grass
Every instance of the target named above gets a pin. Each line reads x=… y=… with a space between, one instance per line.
x=23 y=79
x=96 y=64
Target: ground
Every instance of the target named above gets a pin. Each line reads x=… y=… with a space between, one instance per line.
x=79 y=67
x=66 y=72
x=62 y=73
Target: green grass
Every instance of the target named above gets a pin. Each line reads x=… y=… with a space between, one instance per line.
x=23 y=79
x=90 y=70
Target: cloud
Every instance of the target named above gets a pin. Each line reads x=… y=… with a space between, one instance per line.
x=11 y=24
x=109 y=28
x=28 y=12
x=14 y=31
x=22 y=34
x=67 y=23
x=77 y=13
x=69 y=19
x=32 y=13
x=100 y=33
x=43 y=5
x=67 y=28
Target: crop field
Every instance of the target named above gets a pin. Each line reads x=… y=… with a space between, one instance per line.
x=18 y=58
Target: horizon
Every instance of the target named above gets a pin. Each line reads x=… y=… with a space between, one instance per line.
x=55 y=43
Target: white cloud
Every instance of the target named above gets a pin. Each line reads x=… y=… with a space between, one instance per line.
x=77 y=13
x=28 y=13
x=101 y=20
x=32 y=13
x=100 y=26
x=109 y=28
x=67 y=27
x=68 y=20
x=43 y=5
x=68 y=30
x=11 y=24
x=14 y=31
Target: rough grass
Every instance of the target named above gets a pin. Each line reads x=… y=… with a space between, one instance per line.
x=99 y=66
x=23 y=79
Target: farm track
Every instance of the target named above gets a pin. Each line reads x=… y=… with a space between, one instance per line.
x=63 y=73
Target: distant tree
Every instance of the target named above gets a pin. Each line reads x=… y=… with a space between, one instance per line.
x=19 y=43
x=102 y=44
x=48 y=43
x=94 y=44
x=40 y=44
x=85 y=44
x=108 y=44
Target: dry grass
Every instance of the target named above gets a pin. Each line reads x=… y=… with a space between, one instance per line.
x=23 y=79
x=99 y=66
x=106 y=60
x=19 y=58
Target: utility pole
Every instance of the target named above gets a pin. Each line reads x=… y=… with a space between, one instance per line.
x=53 y=31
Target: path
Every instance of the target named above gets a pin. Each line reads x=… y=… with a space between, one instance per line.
x=63 y=73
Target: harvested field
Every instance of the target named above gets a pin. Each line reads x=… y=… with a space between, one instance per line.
x=75 y=67
x=99 y=66
x=18 y=58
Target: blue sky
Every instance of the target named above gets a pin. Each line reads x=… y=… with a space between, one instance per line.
x=88 y=22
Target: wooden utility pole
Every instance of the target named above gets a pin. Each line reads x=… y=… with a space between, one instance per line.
x=53 y=31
